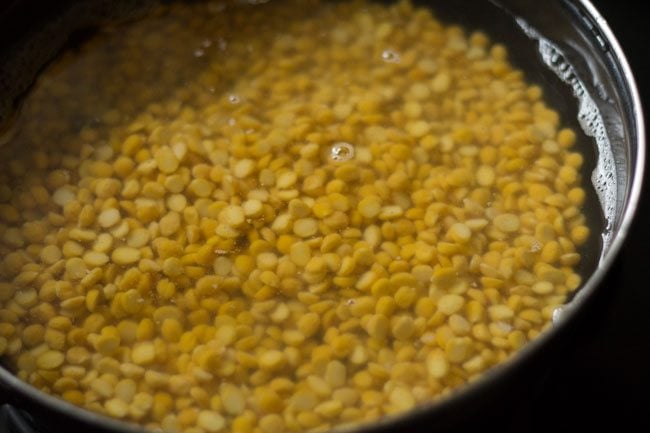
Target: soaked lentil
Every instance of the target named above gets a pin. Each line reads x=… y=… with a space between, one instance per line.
x=315 y=217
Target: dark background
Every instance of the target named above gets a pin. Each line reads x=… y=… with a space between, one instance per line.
x=602 y=380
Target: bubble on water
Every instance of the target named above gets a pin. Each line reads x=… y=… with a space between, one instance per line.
x=199 y=52
x=234 y=99
x=390 y=56
x=222 y=44
x=341 y=151
x=206 y=43
x=535 y=247
x=232 y=121
x=350 y=302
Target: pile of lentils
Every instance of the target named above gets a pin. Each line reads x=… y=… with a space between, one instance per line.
x=281 y=217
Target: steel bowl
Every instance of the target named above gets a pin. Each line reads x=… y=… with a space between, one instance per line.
x=584 y=73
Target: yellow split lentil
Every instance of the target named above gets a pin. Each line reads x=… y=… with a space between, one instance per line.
x=320 y=214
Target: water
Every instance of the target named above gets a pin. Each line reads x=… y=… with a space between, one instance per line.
x=180 y=76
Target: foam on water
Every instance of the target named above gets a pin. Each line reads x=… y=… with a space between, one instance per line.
x=591 y=121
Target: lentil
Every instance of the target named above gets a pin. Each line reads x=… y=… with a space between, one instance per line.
x=288 y=233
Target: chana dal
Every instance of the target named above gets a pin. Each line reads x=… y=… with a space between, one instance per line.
x=284 y=217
